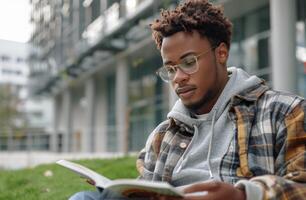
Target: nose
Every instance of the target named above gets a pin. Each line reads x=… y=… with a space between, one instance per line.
x=180 y=76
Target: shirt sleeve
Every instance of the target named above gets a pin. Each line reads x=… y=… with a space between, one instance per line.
x=289 y=181
x=252 y=190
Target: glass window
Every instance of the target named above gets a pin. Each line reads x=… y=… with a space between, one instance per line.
x=251 y=39
x=5 y=58
x=301 y=10
x=71 y=11
x=19 y=60
x=111 y=2
x=111 y=114
x=236 y=52
x=262 y=52
x=81 y=19
x=256 y=22
x=301 y=46
x=95 y=6
x=147 y=102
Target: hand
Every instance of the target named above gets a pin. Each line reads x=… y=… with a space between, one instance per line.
x=91 y=182
x=210 y=190
x=215 y=190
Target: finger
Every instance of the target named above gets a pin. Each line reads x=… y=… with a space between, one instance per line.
x=167 y=198
x=191 y=196
x=203 y=186
x=91 y=182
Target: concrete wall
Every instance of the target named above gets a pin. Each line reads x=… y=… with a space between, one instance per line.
x=19 y=160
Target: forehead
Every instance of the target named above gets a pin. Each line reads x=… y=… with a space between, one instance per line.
x=181 y=43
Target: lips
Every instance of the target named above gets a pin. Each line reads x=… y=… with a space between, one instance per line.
x=184 y=90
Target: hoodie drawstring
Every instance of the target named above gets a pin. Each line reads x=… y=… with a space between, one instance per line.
x=210 y=144
x=211 y=133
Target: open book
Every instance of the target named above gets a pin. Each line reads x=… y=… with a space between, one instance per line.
x=125 y=187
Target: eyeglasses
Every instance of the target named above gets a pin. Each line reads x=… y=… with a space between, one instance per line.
x=188 y=65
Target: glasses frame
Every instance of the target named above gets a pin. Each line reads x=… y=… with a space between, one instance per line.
x=178 y=66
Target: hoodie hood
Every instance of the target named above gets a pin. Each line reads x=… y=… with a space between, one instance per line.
x=238 y=82
x=212 y=132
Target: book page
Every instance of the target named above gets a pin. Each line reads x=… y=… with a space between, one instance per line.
x=142 y=188
x=100 y=181
x=132 y=188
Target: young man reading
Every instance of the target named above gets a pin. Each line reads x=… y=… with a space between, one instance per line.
x=229 y=134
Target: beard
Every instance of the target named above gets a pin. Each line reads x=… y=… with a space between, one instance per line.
x=206 y=98
x=209 y=98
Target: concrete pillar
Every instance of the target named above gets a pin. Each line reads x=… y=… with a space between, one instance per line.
x=121 y=104
x=88 y=137
x=55 y=126
x=283 y=41
x=67 y=121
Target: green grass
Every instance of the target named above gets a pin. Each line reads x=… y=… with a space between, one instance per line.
x=32 y=184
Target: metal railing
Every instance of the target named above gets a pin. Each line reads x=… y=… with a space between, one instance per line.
x=24 y=140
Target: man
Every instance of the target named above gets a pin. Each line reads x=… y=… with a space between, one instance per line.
x=229 y=136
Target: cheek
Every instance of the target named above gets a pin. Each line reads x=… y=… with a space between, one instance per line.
x=205 y=80
x=206 y=76
x=203 y=84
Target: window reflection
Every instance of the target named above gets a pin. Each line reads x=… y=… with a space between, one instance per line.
x=146 y=102
x=251 y=43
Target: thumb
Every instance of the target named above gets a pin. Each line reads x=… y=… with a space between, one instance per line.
x=91 y=182
x=202 y=186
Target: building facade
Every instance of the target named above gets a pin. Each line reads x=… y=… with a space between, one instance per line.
x=97 y=61
x=23 y=120
x=13 y=67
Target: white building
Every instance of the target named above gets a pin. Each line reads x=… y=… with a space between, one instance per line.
x=35 y=114
x=13 y=65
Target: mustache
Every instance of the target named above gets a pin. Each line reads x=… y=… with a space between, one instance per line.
x=185 y=88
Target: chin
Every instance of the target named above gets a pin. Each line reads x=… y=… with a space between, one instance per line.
x=197 y=104
x=190 y=104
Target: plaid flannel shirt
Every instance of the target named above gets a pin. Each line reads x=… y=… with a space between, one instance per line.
x=268 y=148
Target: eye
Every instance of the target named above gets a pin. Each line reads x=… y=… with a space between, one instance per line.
x=170 y=69
x=188 y=62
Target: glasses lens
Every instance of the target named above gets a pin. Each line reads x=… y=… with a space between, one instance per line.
x=164 y=73
x=189 y=64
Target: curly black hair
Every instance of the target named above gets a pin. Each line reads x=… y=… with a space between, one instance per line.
x=198 y=15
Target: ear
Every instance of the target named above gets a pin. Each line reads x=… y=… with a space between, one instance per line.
x=222 y=53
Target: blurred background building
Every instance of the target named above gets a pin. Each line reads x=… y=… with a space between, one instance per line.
x=97 y=61
x=23 y=120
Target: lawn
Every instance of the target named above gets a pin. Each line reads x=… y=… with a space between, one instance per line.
x=53 y=182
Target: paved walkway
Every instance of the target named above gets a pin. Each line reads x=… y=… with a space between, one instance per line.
x=19 y=160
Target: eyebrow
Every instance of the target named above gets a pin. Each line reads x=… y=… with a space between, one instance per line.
x=167 y=62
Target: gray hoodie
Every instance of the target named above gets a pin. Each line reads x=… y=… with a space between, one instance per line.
x=213 y=133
